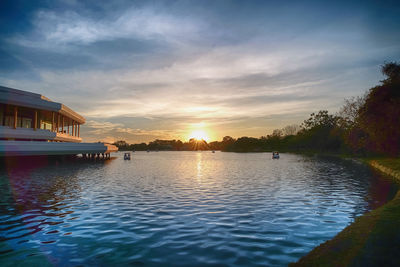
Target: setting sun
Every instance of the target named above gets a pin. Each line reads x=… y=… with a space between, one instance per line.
x=199 y=135
x=214 y=130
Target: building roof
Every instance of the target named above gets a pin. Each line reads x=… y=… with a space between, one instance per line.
x=17 y=97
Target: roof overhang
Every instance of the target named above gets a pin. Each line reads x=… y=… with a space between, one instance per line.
x=17 y=97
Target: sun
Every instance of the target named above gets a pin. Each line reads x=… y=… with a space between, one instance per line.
x=199 y=135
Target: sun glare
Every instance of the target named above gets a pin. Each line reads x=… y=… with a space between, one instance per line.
x=199 y=135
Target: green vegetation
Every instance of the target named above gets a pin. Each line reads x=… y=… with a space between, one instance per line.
x=391 y=163
x=166 y=145
x=176 y=145
x=372 y=240
x=365 y=126
x=369 y=127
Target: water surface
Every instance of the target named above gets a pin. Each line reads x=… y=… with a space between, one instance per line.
x=180 y=208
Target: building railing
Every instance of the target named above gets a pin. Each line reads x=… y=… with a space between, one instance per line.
x=10 y=133
x=35 y=119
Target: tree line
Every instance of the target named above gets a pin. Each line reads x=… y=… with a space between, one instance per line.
x=365 y=125
x=176 y=145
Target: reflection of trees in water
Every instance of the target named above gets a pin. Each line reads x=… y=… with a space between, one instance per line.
x=39 y=188
x=351 y=182
x=382 y=189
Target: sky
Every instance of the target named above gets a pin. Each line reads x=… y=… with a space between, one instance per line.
x=145 y=70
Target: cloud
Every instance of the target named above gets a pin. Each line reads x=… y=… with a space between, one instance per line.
x=55 y=28
x=96 y=130
x=151 y=70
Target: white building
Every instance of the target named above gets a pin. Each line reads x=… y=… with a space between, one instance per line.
x=32 y=124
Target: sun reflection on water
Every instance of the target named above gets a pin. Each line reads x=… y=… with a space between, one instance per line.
x=199 y=165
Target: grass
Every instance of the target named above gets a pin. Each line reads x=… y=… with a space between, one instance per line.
x=392 y=163
x=372 y=240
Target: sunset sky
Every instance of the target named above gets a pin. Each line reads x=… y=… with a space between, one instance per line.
x=144 y=70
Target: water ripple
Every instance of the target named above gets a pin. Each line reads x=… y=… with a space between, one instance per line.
x=181 y=208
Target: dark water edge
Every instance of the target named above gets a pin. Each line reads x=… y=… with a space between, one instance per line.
x=372 y=240
x=180 y=208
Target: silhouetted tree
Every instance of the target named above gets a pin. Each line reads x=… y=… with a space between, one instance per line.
x=378 y=123
x=122 y=145
x=277 y=133
x=320 y=132
x=246 y=144
x=348 y=113
x=227 y=142
x=291 y=129
x=364 y=125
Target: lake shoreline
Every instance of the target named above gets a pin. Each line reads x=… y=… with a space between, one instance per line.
x=249 y=209
x=372 y=239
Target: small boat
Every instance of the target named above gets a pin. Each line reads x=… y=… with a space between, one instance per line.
x=127 y=156
x=275 y=155
x=213 y=151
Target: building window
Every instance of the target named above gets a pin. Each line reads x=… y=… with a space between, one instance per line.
x=45 y=126
x=9 y=121
x=26 y=123
x=21 y=122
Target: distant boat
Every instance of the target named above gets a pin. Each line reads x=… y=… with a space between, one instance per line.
x=127 y=156
x=213 y=151
x=275 y=155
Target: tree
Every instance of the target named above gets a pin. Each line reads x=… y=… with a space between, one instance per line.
x=291 y=129
x=320 y=132
x=320 y=119
x=121 y=144
x=246 y=144
x=277 y=133
x=139 y=147
x=227 y=142
x=378 y=120
x=392 y=72
x=348 y=113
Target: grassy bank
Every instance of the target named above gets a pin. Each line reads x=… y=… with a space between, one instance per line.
x=372 y=240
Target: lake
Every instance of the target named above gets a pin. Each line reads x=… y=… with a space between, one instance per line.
x=180 y=208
